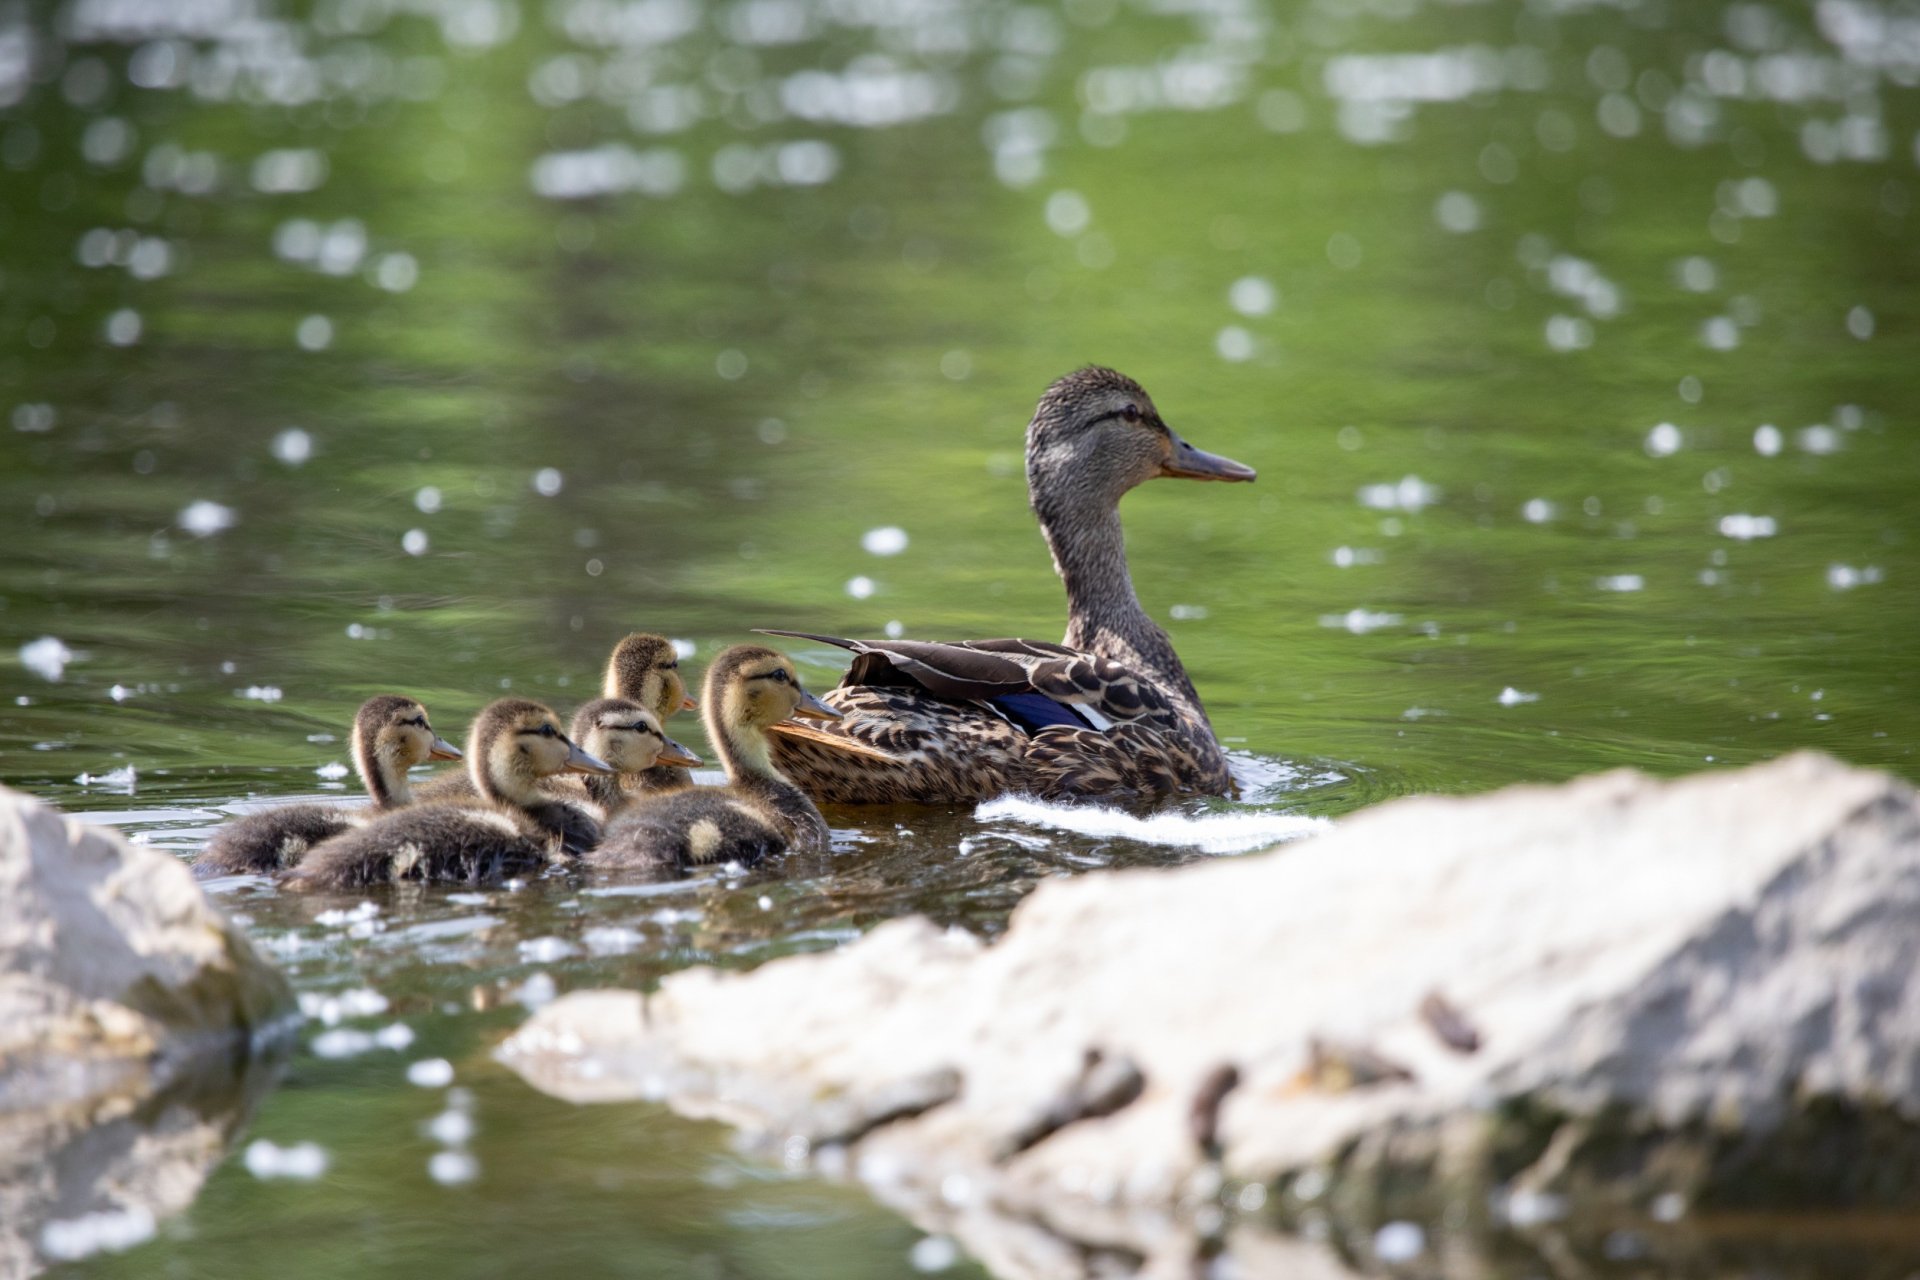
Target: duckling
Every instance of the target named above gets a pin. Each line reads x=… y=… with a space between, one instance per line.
x=390 y=736
x=759 y=812
x=644 y=668
x=627 y=736
x=512 y=745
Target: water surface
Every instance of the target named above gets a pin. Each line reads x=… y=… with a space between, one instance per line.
x=358 y=346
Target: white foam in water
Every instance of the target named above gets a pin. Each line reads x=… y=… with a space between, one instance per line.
x=612 y=940
x=1236 y=832
x=341 y=1042
x=430 y=1073
x=303 y=1161
x=451 y=1168
x=110 y=1231
x=46 y=657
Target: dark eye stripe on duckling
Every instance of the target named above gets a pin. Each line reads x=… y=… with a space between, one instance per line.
x=541 y=731
x=777 y=674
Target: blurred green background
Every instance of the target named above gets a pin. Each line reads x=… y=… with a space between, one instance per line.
x=431 y=345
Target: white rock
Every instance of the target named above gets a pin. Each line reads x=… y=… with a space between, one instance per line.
x=1705 y=955
x=120 y=982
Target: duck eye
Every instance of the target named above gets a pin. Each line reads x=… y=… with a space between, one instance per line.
x=1131 y=413
x=548 y=731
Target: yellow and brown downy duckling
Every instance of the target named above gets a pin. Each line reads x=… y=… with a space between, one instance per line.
x=645 y=668
x=390 y=736
x=512 y=746
x=628 y=738
x=1110 y=712
x=759 y=812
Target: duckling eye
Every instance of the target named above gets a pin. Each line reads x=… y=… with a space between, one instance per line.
x=548 y=731
x=1131 y=413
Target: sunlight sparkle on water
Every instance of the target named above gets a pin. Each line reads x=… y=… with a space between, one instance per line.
x=292 y=446
x=887 y=540
x=303 y=1162
x=430 y=1073
x=204 y=518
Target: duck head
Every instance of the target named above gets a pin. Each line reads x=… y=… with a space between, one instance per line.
x=627 y=736
x=390 y=736
x=645 y=669
x=514 y=743
x=1096 y=434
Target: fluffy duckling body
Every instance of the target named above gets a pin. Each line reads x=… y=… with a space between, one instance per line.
x=512 y=746
x=628 y=737
x=390 y=736
x=759 y=812
x=645 y=668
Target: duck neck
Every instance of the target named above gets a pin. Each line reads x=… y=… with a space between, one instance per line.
x=747 y=756
x=384 y=777
x=1103 y=612
x=497 y=782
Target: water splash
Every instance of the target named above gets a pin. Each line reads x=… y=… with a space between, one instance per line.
x=1238 y=831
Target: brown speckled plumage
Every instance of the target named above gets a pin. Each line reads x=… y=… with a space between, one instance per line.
x=1094 y=435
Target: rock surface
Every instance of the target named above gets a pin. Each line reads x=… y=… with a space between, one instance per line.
x=116 y=971
x=1620 y=991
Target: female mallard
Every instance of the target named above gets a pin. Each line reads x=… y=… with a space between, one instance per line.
x=644 y=668
x=758 y=813
x=390 y=736
x=512 y=746
x=1110 y=712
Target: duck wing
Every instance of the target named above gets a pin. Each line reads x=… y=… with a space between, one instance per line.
x=1087 y=690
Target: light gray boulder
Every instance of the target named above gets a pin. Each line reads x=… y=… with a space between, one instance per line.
x=116 y=971
x=129 y=1007
x=1619 y=990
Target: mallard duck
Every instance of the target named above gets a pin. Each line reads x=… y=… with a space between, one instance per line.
x=390 y=735
x=759 y=812
x=513 y=744
x=628 y=737
x=645 y=668
x=1109 y=712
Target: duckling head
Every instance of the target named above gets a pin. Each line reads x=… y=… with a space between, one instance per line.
x=390 y=736
x=627 y=736
x=753 y=686
x=1096 y=434
x=645 y=669
x=514 y=743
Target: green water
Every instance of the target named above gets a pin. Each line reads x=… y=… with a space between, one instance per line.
x=1576 y=348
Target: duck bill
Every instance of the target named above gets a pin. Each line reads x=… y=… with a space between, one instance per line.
x=1189 y=463
x=675 y=754
x=443 y=750
x=811 y=708
x=579 y=761
x=687 y=703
